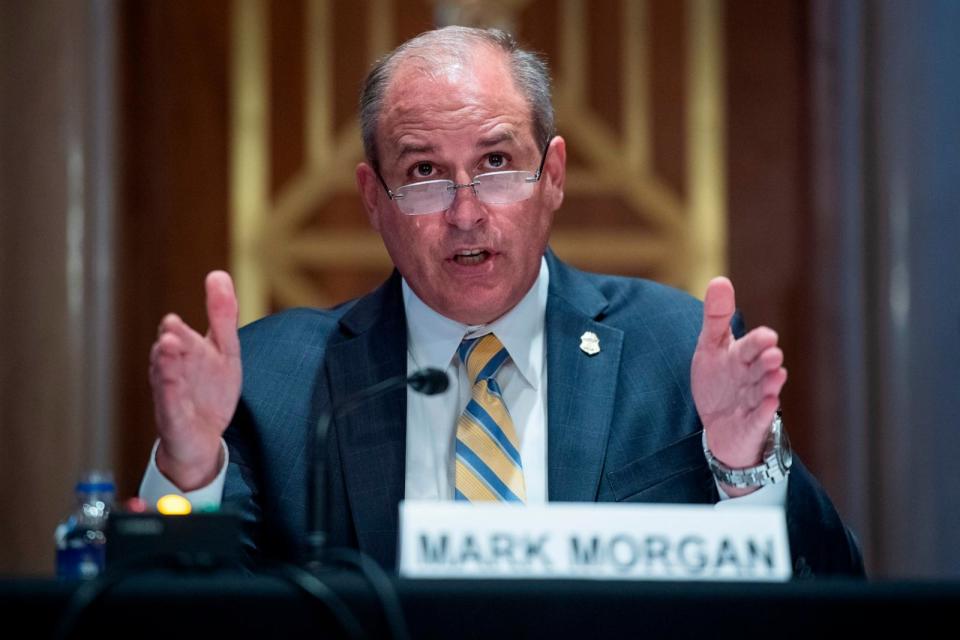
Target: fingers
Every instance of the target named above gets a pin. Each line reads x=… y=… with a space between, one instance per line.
x=750 y=346
x=764 y=376
x=174 y=325
x=765 y=390
x=763 y=413
x=166 y=376
x=223 y=312
x=719 y=304
x=175 y=342
x=166 y=359
x=175 y=339
x=769 y=360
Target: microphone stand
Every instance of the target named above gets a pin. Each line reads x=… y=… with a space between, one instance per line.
x=427 y=381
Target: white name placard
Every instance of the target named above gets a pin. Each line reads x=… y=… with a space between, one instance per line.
x=593 y=540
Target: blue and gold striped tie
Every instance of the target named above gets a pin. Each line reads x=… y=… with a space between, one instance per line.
x=488 y=454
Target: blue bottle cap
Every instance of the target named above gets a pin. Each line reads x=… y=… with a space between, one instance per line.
x=96 y=482
x=95 y=487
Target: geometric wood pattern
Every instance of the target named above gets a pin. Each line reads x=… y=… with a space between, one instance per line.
x=638 y=96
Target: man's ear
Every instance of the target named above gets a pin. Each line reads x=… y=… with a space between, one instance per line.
x=555 y=172
x=369 y=187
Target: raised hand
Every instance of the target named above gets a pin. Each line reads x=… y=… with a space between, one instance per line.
x=196 y=384
x=736 y=383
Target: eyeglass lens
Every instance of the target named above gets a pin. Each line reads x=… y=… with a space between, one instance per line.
x=425 y=197
x=502 y=187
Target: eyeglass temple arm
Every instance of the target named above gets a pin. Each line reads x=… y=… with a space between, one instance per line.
x=391 y=194
x=543 y=159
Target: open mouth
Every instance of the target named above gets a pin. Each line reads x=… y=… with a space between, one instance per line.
x=470 y=257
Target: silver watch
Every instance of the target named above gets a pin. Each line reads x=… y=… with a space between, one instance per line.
x=777 y=459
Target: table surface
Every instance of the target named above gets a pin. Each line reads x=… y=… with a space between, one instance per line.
x=165 y=603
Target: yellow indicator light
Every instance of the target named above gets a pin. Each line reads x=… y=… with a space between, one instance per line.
x=173 y=505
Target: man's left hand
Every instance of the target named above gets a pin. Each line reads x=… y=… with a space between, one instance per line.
x=736 y=383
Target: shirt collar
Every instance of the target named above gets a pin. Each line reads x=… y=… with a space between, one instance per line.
x=433 y=338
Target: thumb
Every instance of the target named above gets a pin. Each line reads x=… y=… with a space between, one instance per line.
x=223 y=312
x=719 y=304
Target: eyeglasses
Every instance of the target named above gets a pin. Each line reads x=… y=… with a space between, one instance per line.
x=434 y=196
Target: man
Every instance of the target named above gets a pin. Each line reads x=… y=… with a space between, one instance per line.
x=601 y=387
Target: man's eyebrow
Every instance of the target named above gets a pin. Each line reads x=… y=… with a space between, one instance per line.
x=407 y=149
x=504 y=135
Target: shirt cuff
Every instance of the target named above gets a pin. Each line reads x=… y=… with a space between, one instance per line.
x=155 y=485
x=772 y=495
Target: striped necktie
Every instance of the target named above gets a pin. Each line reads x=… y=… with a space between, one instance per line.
x=488 y=454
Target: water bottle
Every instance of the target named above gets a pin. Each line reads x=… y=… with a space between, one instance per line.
x=81 y=537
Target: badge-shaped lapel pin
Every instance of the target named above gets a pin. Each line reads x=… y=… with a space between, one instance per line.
x=590 y=343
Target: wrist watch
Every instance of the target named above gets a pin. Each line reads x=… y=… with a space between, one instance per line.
x=777 y=459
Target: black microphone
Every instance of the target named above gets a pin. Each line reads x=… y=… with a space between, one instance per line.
x=428 y=381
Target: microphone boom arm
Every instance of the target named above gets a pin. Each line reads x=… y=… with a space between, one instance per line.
x=428 y=381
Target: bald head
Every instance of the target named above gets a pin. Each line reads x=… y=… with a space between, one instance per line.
x=448 y=52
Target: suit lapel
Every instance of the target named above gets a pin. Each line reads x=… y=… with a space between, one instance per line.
x=372 y=438
x=581 y=388
x=581 y=395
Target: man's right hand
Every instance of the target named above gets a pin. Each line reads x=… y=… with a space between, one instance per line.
x=196 y=384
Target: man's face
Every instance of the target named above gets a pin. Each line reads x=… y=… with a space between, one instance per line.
x=475 y=261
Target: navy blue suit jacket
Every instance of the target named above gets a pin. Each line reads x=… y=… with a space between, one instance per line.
x=622 y=425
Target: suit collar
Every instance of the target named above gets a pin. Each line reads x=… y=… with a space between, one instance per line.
x=581 y=388
x=434 y=338
x=377 y=308
x=575 y=288
x=372 y=439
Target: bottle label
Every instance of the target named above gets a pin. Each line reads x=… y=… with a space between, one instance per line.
x=81 y=562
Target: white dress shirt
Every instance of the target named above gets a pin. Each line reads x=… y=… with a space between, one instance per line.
x=432 y=341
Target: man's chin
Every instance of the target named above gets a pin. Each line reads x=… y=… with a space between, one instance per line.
x=476 y=309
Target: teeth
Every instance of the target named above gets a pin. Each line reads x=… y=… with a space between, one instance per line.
x=470 y=257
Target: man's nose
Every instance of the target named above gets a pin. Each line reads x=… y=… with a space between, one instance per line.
x=466 y=211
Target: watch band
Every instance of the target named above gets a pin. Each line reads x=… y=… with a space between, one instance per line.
x=776 y=463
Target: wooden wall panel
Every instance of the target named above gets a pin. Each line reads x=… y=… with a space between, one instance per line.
x=768 y=181
x=286 y=32
x=172 y=210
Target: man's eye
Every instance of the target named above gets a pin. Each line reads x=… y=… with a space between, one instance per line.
x=423 y=169
x=496 y=160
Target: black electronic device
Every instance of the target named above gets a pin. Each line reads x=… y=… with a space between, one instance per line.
x=152 y=540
